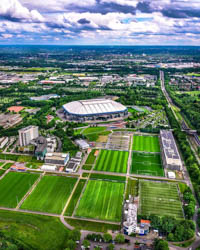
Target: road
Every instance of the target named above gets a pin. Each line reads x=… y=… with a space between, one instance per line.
x=186 y=175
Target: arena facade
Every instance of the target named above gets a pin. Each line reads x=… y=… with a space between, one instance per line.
x=94 y=110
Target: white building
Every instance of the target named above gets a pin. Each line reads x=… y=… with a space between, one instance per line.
x=170 y=155
x=27 y=134
x=82 y=144
x=57 y=158
x=46 y=167
x=3 y=141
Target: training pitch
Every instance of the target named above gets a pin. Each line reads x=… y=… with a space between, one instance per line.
x=14 y=186
x=50 y=195
x=147 y=164
x=102 y=200
x=159 y=198
x=146 y=143
x=112 y=161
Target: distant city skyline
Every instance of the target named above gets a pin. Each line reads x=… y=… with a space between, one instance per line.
x=100 y=22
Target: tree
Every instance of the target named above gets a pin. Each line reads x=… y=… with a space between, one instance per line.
x=71 y=244
x=75 y=235
x=111 y=247
x=161 y=244
x=86 y=243
x=120 y=238
x=107 y=237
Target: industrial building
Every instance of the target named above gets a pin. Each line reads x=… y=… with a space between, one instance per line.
x=57 y=158
x=94 y=109
x=170 y=155
x=27 y=134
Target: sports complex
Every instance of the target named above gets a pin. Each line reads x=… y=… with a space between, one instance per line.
x=94 y=109
x=97 y=193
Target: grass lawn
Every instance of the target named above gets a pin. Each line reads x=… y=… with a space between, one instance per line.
x=93 y=130
x=1 y=172
x=107 y=177
x=112 y=161
x=132 y=188
x=7 y=165
x=35 y=231
x=75 y=197
x=92 y=226
x=160 y=198
x=14 y=186
x=50 y=195
x=87 y=167
x=147 y=164
x=146 y=143
x=91 y=157
x=102 y=200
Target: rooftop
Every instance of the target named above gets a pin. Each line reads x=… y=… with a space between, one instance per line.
x=94 y=106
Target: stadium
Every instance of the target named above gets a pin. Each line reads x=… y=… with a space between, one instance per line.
x=94 y=109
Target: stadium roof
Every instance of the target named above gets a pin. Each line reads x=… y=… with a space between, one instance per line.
x=94 y=106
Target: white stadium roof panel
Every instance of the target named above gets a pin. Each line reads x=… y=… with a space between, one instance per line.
x=94 y=106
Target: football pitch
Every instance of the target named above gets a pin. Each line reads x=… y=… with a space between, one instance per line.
x=14 y=186
x=102 y=200
x=50 y=195
x=146 y=143
x=159 y=198
x=147 y=164
x=112 y=161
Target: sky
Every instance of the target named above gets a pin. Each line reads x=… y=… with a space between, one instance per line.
x=100 y=22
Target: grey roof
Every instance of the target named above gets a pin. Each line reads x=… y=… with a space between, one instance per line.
x=169 y=145
x=94 y=106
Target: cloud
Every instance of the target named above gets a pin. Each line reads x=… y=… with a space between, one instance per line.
x=13 y=10
x=100 y=21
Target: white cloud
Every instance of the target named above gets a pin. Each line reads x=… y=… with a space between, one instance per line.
x=13 y=9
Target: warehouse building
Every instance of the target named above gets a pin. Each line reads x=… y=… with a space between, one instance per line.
x=57 y=158
x=94 y=110
x=170 y=155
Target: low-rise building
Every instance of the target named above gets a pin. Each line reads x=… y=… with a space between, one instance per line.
x=57 y=158
x=82 y=144
x=170 y=155
x=46 y=167
x=3 y=141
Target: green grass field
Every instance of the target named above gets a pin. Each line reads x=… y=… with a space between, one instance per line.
x=34 y=231
x=146 y=143
x=159 y=198
x=1 y=172
x=75 y=197
x=7 y=165
x=102 y=200
x=92 y=226
x=93 y=130
x=91 y=157
x=147 y=164
x=50 y=195
x=112 y=161
x=14 y=186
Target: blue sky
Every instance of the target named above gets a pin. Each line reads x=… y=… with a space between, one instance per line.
x=125 y=22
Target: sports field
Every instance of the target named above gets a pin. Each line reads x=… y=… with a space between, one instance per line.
x=146 y=143
x=50 y=195
x=112 y=161
x=102 y=200
x=159 y=198
x=14 y=186
x=147 y=164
